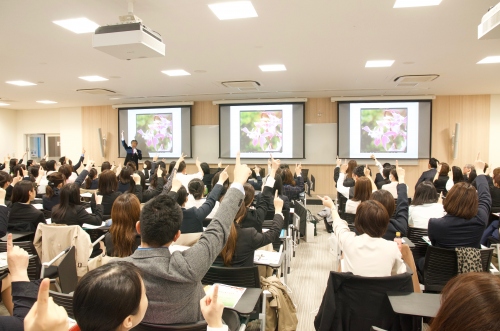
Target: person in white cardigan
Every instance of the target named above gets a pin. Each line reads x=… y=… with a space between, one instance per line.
x=362 y=191
x=367 y=254
x=392 y=186
x=424 y=206
x=184 y=177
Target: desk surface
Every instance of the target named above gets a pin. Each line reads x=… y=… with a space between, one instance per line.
x=416 y=304
x=248 y=300
x=17 y=235
x=408 y=242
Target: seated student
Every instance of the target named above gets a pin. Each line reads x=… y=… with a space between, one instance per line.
x=184 y=177
x=495 y=191
x=466 y=303
x=51 y=168
x=429 y=174
x=91 y=180
x=456 y=177
x=240 y=248
x=4 y=213
x=7 y=183
x=69 y=211
x=122 y=239
x=441 y=178
x=255 y=179
x=466 y=217
x=108 y=184
x=424 y=206
x=64 y=160
x=386 y=172
x=367 y=254
x=348 y=179
x=225 y=187
x=468 y=168
x=277 y=187
x=132 y=166
x=173 y=280
x=145 y=196
x=292 y=187
x=207 y=176
x=196 y=189
x=67 y=171
x=125 y=182
x=192 y=218
x=392 y=186
x=360 y=171
x=55 y=182
x=23 y=216
x=486 y=171
x=146 y=170
x=362 y=192
x=255 y=217
x=398 y=221
x=105 y=166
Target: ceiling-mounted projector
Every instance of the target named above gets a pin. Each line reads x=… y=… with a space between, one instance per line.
x=490 y=24
x=129 y=39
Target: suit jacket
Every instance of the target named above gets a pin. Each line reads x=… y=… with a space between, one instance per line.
x=4 y=220
x=440 y=184
x=131 y=156
x=192 y=218
x=399 y=221
x=256 y=217
x=107 y=202
x=427 y=176
x=24 y=296
x=77 y=215
x=173 y=280
x=49 y=203
x=450 y=231
x=249 y=240
x=22 y=214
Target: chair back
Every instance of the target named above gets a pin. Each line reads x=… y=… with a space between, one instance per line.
x=241 y=277
x=341 y=202
x=415 y=235
x=68 y=277
x=357 y=303
x=64 y=300
x=440 y=266
x=301 y=211
x=486 y=256
x=34 y=265
x=198 y=326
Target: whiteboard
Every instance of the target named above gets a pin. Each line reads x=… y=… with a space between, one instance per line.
x=321 y=145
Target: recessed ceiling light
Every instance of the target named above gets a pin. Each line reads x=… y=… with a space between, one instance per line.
x=490 y=59
x=4 y=104
x=233 y=10
x=93 y=78
x=20 y=83
x=177 y=72
x=273 y=67
x=78 y=25
x=46 y=102
x=379 y=63
x=415 y=3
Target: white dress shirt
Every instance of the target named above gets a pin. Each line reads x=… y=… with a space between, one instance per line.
x=418 y=216
x=185 y=179
x=345 y=190
x=366 y=256
x=351 y=206
x=392 y=188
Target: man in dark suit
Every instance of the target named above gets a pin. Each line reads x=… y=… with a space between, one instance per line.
x=429 y=174
x=133 y=154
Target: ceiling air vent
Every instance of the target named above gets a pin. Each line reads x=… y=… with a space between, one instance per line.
x=242 y=85
x=407 y=84
x=415 y=79
x=100 y=91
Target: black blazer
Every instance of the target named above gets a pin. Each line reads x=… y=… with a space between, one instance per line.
x=249 y=240
x=24 y=214
x=192 y=218
x=78 y=216
x=440 y=184
x=49 y=203
x=450 y=231
x=256 y=217
x=107 y=202
x=24 y=296
x=381 y=183
x=348 y=182
x=131 y=156
x=108 y=242
x=495 y=199
x=399 y=221
x=4 y=220
x=427 y=175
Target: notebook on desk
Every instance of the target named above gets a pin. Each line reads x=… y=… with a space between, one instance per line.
x=266 y=257
x=228 y=295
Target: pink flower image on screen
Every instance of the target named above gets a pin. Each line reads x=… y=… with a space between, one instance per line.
x=384 y=130
x=261 y=131
x=158 y=134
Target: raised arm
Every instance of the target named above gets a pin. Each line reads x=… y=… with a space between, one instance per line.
x=263 y=239
x=96 y=217
x=367 y=175
x=4 y=213
x=378 y=164
x=81 y=177
x=168 y=185
x=124 y=144
x=436 y=176
x=206 y=208
x=400 y=220
x=483 y=190
x=79 y=163
x=340 y=228
x=198 y=259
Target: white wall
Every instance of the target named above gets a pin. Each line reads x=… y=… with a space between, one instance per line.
x=71 y=132
x=495 y=130
x=8 y=128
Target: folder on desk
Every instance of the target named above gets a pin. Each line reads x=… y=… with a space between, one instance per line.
x=228 y=295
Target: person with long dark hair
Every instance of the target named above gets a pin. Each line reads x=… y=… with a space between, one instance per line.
x=293 y=186
x=122 y=239
x=348 y=180
x=362 y=192
x=56 y=180
x=125 y=181
x=441 y=178
x=108 y=183
x=70 y=211
x=23 y=216
x=424 y=206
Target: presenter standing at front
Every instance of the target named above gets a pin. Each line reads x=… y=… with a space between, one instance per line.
x=133 y=154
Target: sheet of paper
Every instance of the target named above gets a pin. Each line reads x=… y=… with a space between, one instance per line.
x=38 y=206
x=173 y=248
x=86 y=195
x=90 y=226
x=427 y=240
x=266 y=257
x=228 y=295
x=89 y=210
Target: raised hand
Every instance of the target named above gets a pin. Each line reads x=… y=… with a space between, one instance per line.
x=2 y=196
x=137 y=178
x=45 y=315
x=241 y=171
x=179 y=160
x=366 y=171
x=298 y=168
x=223 y=176
x=83 y=150
x=219 y=165
x=479 y=165
x=257 y=170
x=401 y=173
x=338 y=161
x=373 y=157
x=278 y=203
x=275 y=163
x=16 y=180
x=212 y=309
x=327 y=201
x=98 y=199
x=17 y=260
x=176 y=184
x=343 y=167
x=90 y=164
x=198 y=163
x=155 y=158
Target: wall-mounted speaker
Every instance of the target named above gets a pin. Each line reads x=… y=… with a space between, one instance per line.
x=455 y=140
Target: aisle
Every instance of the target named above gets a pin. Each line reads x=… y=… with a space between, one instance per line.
x=309 y=274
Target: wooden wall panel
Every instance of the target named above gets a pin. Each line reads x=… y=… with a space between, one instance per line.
x=205 y=113
x=106 y=118
x=320 y=110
